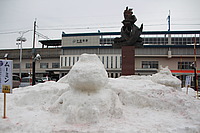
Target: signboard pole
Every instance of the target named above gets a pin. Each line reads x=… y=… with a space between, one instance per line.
x=4 y=105
x=187 y=89
x=4 y=113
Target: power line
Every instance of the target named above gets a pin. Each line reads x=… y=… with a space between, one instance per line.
x=13 y=32
x=10 y=32
x=82 y=28
x=41 y=35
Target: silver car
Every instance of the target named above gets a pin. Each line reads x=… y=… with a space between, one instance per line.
x=27 y=81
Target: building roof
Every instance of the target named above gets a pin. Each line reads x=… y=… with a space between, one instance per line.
x=56 y=42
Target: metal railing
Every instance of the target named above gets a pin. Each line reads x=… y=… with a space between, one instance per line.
x=155 y=37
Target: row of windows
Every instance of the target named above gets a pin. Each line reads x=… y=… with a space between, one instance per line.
x=42 y=65
x=184 y=65
x=155 y=64
x=108 y=61
x=116 y=62
x=150 y=64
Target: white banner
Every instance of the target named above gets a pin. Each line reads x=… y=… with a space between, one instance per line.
x=6 y=67
x=188 y=81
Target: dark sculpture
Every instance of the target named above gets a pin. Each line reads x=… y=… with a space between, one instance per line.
x=130 y=33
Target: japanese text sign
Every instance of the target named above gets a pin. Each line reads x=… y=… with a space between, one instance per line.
x=6 y=67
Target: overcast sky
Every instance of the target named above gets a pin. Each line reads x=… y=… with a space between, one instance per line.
x=77 y=16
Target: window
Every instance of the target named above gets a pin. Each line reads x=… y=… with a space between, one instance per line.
x=107 y=61
x=120 y=61
x=61 y=61
x=65 y=61
x=69 y=61
x=55 y=65
x=116 y=62
x=184 y=65
x=44 y=65
x=73 y=60
x=111 y=61
x=28 y=65
x=16 y=66
x=150 y=64
x=103 y=59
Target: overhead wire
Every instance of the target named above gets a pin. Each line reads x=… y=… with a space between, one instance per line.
x=80 y=28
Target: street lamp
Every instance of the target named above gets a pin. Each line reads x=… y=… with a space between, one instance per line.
x=20 y=39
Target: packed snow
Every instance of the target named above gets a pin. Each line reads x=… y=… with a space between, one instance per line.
x=87 y=101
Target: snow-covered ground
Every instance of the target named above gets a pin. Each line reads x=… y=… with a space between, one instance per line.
x=79 y=104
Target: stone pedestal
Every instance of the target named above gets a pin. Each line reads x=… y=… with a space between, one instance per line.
x=128 y=60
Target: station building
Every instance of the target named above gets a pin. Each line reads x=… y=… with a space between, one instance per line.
x=175 y=49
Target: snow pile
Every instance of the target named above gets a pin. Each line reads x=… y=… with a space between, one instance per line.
x=129 y=104
x=165 y=77
x=87 y=101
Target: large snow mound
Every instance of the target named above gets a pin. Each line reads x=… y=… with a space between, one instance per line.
x=129 y=104
x=87 y=101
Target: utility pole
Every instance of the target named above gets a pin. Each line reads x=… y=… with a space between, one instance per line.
x=168 y=18
x=33 y=55
x=169 y=35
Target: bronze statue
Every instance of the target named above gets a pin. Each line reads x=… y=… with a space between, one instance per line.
x=130 y=33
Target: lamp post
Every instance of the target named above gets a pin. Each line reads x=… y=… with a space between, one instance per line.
x=193 y=66
x=33 y=54
x=20 y=39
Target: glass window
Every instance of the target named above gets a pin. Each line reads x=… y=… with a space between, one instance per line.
x=116 y=62
x=55 y=65
x=61 y=61
x=69 y=61
x=28 y=65
x=73 y=60
x=184 y=65
x=44 y=65
x=103 y=59
x=107 y=61
x=150 y=64
x=111 y=61
x=120 y=61
x=16 y=66
x=65 y=61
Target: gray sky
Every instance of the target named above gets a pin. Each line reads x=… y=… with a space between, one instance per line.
x=77 y=16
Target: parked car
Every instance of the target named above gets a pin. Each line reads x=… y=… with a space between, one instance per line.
x=16 y=81
x=27 y=81
x=46 y=79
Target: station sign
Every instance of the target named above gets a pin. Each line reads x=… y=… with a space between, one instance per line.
x=80 y=41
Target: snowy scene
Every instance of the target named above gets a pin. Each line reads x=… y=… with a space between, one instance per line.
x=87 y=101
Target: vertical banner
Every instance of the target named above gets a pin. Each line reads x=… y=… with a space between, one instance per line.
x=188 y=81
x=6 y=67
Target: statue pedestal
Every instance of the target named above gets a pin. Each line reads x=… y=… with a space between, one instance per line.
x=128 y=60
